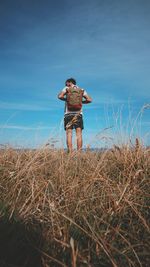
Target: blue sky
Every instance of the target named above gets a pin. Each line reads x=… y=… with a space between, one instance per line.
x=103 y=44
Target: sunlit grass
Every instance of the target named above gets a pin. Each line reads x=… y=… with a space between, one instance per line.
x=92 y=206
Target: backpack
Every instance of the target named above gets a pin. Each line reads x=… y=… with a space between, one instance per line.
x=74 y=98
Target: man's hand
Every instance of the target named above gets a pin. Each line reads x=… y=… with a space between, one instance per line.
x=62 y=98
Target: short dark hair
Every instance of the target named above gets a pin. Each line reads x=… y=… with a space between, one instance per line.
x=72 y=80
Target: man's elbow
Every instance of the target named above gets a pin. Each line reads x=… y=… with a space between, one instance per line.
x=59 y=96
x=89 y=99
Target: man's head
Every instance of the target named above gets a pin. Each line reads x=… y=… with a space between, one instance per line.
x=70 y=82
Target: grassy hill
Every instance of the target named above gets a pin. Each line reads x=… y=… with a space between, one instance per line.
x=80 y=209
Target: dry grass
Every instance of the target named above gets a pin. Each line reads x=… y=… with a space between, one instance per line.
x=91 y=207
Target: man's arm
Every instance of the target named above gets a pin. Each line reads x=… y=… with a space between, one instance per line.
x=61 y=95
x=87 y=99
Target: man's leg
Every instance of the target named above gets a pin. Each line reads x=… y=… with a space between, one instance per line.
x=69 y=139
x=79 y=138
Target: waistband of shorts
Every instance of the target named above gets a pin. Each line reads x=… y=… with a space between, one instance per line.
x=72 y=114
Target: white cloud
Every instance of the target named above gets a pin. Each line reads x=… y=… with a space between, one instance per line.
x=26 y=106
x=19 y=127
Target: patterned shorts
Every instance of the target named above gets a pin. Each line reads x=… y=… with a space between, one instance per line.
x=73 y=121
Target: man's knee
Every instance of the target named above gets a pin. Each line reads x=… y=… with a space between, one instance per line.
x=79 y=132
x=69 y=132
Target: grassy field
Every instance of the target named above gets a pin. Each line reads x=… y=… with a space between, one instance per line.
x=81 y=209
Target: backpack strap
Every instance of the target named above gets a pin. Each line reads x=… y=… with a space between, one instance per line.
x=69 y=89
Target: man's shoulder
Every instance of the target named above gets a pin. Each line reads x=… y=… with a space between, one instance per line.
x=64 y=89
x=80 y=88
x=83 y=91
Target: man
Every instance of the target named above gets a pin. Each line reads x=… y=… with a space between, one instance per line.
x=74 y=97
